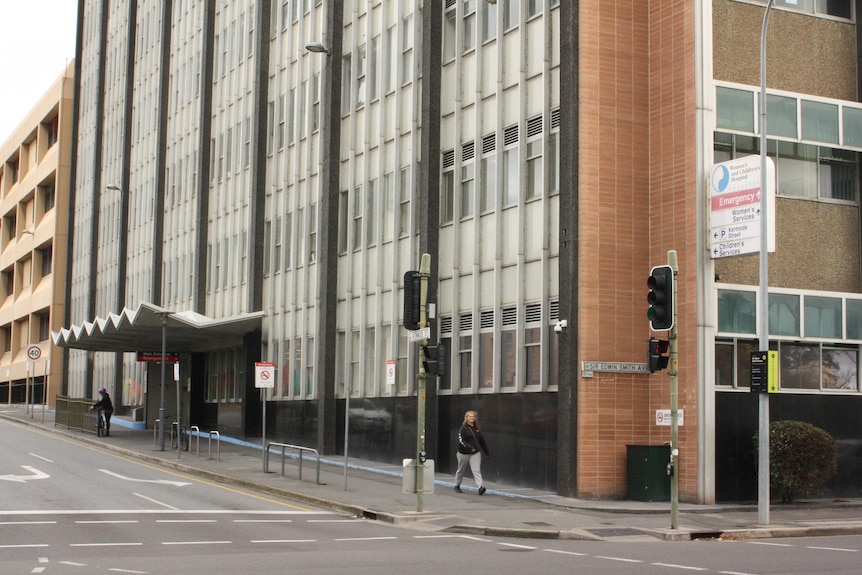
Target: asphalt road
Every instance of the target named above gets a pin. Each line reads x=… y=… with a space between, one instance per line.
x=67 y=507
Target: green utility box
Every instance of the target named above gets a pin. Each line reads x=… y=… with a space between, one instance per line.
x=646 y=471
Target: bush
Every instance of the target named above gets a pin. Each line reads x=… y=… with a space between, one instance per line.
x=802 y=458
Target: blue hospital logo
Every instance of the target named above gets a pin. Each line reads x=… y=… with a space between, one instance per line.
x=720 y=178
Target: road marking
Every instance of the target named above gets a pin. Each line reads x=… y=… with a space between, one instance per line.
x=43 y=559
x=23 y=546
x=283 y=541
x=157 y=502
x=365 y=539
x=28 y=522
x=185 y=520
x=770 y=544
x=35 y=474
x=674 y=566
x=833 y=549
x=735 y=573
x=72 y=563
x=264 y=521
x=623 y=559
x=333 y=520
x=37 y=570
x=156 y=481
x=575 y=553
x=197 y=542
x=517 y=546
x=125 y=570
x=105 y=544
x=45 y=459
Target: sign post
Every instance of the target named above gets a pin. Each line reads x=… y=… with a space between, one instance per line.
x=264 y=378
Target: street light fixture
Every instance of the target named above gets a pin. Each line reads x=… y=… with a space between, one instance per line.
x=317 y=48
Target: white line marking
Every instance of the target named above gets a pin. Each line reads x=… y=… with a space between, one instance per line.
x=437 y=536
x=43 y=559
x=23 y=546
x=34 y=474
x=157 y=511
x=105 y=544
x=674 y=566
x=185 y=520
x=575 y=553
x=333 y=520
x=107 y=522
x=156 y=481
x=263 y=520
x=45 y=459
x=73 y=564
x=769 y=544
x=284 y=541
x=124 y=570
x=517 y=546
x=735 y=573
x=365 y=539
x=28 y=523
x=623 y=559
x=833 y=549
x=38 y=570
x=151 y=500
x=196 y=542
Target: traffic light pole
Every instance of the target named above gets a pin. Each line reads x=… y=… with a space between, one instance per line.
x=674 y=401
x=424 y=273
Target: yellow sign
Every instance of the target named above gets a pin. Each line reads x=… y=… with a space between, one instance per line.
x=772 y=371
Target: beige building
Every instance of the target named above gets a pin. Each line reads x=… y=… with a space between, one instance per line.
x=34 y=186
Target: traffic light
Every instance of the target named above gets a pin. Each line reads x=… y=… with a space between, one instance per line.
x=660 y=298
x=412 y=300
x=657 y=350
x=435 y=359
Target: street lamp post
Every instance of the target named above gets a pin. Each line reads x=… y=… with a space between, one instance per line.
x=162 y=386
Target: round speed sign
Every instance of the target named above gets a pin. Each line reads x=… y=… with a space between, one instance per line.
x=34 y=352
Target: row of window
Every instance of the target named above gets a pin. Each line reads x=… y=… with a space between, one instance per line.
x=29 y=154
x=462 y=193
x=801 y=170
x=836 y=8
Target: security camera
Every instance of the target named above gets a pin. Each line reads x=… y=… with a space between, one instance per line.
x=560 y=326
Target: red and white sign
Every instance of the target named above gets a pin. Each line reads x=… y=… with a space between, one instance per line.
x=264 y=374
x=390 y=372
x=662 y=417
x=735 y=207
x=34 y=352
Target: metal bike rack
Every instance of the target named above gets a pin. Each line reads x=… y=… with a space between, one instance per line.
x=286 y=446
x=197 y=436
x=218 y=445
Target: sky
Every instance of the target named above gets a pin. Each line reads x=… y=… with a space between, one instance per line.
x=37 y=40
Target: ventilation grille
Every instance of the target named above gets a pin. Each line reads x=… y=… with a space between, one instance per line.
x=446 y=325
x=510 y=136
x=555 y=311
x=448 y=159
x=510 y=316
x=555 y=118
x=487 y=319
x=534 y=312
x=466 y=322
x=450 y=3
x=489 y=143
x=468 y=151
x=534 y=126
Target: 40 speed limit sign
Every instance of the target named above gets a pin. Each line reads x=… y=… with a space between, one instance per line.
x=34 y=352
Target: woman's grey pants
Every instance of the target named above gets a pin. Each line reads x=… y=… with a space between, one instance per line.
x=474 y=460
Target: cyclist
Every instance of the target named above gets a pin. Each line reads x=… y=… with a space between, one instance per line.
x=107 y=407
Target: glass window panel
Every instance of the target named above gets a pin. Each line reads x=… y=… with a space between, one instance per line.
x=466 y=361
x=533 y=359
x=799 y=366
x=784 y=316
x=838 y=174
x=819 y=121
x=781 y=116
x=743 y=362
x=796 y=170
x=853 y=127
x=822 y=317
x=445 y=380
x=724 y=363
x=840 y=369
x=486 y=360
x=447 y=197
x=489 y=183
x=854 y=319
x=511 y=176
x=508 y=357
x=737 y=311
x=735 y=109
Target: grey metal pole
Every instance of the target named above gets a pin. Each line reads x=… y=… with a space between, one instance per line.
x=424 y=271
x=162 y=387
x=674 y=400
x=763 y=312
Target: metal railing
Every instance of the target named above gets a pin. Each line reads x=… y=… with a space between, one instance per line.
x=74 y=413
x=284 y=447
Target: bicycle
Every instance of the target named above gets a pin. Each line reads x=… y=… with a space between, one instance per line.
x=100 y=423
x=181 y=435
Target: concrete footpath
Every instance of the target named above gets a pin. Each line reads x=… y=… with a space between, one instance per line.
x=374 y=491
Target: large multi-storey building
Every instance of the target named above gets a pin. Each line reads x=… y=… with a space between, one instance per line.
x=34 y=180
x=253 y=178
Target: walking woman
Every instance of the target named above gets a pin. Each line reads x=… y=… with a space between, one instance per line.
x=471 y=444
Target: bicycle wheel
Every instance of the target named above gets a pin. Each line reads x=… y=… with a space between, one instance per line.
x=100 y=425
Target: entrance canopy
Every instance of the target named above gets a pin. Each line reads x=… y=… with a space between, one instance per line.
x=141 y=330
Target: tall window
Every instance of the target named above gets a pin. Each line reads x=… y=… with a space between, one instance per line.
x=390 y=68
x=343 y=217
x=511 y=13
x=373 y=89
x=360 y=76
x=315 y=103
x=407 y=50
x=371 y=213
x=357 y=217
x=345 y=84
x=388 y=206
x=468 y=176
x=450 y=20
x=312 y=233
x=488 y=177
x=447 y=188
x=404 y=211
x=468 y=36
x=489 y=21
x=535 y=172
